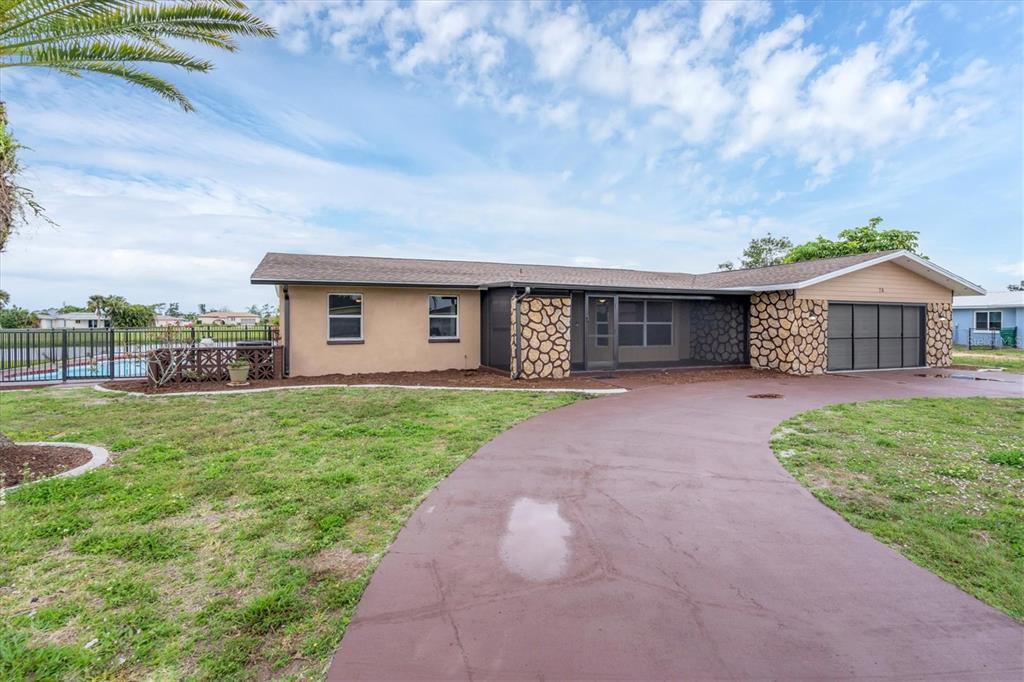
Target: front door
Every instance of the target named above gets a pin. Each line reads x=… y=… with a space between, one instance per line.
x=600 y=333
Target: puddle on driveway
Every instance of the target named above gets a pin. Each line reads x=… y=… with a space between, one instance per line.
x=536 y=542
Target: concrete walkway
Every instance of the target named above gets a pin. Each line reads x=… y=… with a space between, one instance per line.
x=652 y=535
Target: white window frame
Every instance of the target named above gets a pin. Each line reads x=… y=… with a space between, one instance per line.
x=988 y=320
x=362 y=307
x=430 y=315
x=645 y=323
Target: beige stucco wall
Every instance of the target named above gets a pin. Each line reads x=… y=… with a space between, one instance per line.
x=882 y=283
x=394 y=332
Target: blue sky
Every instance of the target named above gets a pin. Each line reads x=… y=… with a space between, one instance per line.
x=655 y=136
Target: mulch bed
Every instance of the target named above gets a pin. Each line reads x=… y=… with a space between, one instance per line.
x=468 y=378
x=23 y=463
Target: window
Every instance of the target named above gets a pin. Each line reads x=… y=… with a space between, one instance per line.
x=345 y=317
x=645 y=323
x=443 y=317
x=992 y=319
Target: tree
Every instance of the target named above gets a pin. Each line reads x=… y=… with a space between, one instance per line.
x=202 y=308
x=762 y=251
x=131 y=315
x=864 y=239
x=1009 y=287
x=5 y=298
x=17 y=318
x=17 y=203
x=173 y=309
x=68 y=308
x=111 y=37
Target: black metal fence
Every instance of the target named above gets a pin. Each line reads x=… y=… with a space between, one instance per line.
x=68 y=354
x=986 y=338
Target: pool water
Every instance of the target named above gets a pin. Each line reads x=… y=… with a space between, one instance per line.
x=123 y=368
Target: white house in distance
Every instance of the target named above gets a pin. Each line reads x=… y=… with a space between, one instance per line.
x=169 y=321
x=90 y=320
x=227 y=317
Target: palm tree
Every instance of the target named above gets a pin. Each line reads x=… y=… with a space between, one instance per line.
x=113 y=36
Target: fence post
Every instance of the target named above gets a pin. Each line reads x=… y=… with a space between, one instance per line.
x=193 y=328
x=64 y=354
x=110 y=355
x=970 y=337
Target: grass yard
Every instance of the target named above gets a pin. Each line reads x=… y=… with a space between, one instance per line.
x=940 y=480
x=1010 y=359
x=232 y=537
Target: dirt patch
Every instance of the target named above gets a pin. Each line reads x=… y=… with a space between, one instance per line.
x=24 y=463
x=339 y=561
x=472 y=379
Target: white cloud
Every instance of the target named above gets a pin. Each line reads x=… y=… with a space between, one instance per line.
x=693 y=70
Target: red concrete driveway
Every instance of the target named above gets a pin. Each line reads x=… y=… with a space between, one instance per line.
x=652 y=535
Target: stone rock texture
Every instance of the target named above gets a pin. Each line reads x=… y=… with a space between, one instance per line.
x=545 y=337
x=716 y=331
x=787 y=334
x=938 y=348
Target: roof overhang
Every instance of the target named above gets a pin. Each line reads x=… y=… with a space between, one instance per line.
x=919 y=266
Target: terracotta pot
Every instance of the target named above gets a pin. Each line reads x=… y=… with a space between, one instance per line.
x=239 y=375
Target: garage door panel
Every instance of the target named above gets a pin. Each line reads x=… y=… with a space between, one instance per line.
x=890 y=321
x=890 y=353
x=840 y=321
x=911 y=321
x=912 y=352
x=865 y=321
x=840 y=353
x=865 y=354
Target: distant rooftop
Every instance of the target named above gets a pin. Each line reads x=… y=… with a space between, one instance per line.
x=996 y=299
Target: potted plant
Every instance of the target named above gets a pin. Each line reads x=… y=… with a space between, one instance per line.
x=238 y=369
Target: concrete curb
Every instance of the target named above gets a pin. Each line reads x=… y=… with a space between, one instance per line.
x=100 y=456
x=586 y=391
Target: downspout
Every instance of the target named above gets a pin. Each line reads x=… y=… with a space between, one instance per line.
x=287 y=328
x=519 y=332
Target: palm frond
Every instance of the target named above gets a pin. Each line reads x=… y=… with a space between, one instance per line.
x=143 y=78
x=211 y=25
x=109 y=36
x=73 y=55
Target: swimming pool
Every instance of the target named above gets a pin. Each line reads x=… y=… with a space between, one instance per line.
x=123 y=368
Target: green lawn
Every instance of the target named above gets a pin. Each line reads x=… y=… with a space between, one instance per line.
x=1010 y=359
x=233 y=535
x=940 y=480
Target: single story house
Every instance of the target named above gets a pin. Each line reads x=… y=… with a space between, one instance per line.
x=89 y=320
x=348 y=314
x=169 y=321
x=229 y=318
x=990 y=320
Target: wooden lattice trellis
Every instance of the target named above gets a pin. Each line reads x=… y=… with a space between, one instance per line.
x=211 y=364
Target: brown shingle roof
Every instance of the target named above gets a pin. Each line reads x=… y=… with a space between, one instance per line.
x=299 y=268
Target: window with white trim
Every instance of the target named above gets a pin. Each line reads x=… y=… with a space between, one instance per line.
x=344 y=317
x=443 y=317
x=988 y=319
x=645 y=323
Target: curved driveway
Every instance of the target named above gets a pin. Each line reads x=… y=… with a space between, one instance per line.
x=652 y=535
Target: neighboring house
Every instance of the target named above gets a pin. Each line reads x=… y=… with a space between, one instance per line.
x=230 y=318
x=89 y=320
x=169 y=321
x=346 y=314
x=993 y=319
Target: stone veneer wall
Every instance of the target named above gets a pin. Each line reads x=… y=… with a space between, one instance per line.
x=938 y=348
x=787 y=334
x=716 y=331
x=545 y=336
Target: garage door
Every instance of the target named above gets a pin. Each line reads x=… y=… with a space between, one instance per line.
x=866 y=336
